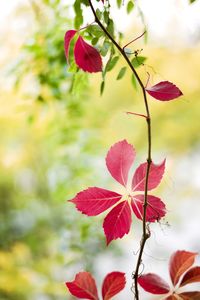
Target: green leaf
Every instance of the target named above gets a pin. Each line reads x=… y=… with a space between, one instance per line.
x=102 y=87
x=72 y=67
x=78 y=20
x=95 y=30
x=191 y=1
x=94 y=41
x=98 y=13
x=85 y=2
x=119 y=3
x=138 y=61
x=110 y=27
x=133 y=81
x=146 y=36
x=111 y=63
x=106 y=16
x=105 y=48
x=130 y=6
x=121 y=73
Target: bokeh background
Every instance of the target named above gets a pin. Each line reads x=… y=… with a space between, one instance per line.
x=53 y=144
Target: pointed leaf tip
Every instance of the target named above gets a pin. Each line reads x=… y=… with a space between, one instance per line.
x=180 y=262
x=113 y=283
x=67 y=40
x=94 y=200
x=87 y=57
x=153 y=284
x=119 y=160
x=118 y=222
x=83 y=286
x=164 y=91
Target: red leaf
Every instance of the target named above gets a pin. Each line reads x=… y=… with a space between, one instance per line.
x=155 y=176
x=119 y=159
x=87 y=57
x=83 y=286
x=164 y=91
x=113 y=284
x=190 y=295
x=180 y=261
x=94 y=200
x=171 y=297
x=68 y=37
x=193 y=275
x=118 y=222
x=155 y=209
x=153 y=284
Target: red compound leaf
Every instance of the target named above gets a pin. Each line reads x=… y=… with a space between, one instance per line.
x=119 y=160
x=94 y=200
x=155 y=209
x=83 y=286
x=164 y=91
x=153 y=284
x=190 y=295
x=113 y=284
x=118 y=222
x=193 y=275
x=155 y=176
x=68 y=37
x=87 y=57
x=180 y=262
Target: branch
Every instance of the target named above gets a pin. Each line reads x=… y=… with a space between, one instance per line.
x=146 y=232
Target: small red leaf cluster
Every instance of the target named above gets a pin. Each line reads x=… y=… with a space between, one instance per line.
x=89 y=60
x=84 y=286
x=95 y=200
x=86 y=57
x=181 y=274
x=164 y=91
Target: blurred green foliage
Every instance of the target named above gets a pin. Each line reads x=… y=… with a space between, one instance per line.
x=47 y=157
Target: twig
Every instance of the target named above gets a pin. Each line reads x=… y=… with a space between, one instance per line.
x=145 y=228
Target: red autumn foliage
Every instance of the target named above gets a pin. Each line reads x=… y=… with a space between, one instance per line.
x=94 y=200
x=84 y=286
x=179 y=264
x=164 y=91
x=86 y=57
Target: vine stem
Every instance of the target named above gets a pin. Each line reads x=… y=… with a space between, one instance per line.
x=145 y=227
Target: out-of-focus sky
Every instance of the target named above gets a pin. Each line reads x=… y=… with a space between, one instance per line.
x=169 y=22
